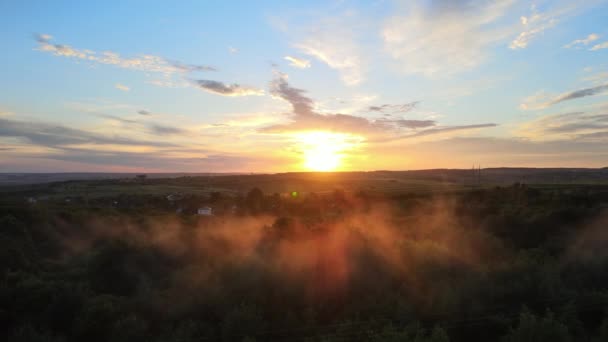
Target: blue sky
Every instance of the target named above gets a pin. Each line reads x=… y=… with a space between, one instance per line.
x=283 y=86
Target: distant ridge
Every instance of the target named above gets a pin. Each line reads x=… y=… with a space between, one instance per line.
x=498 y=175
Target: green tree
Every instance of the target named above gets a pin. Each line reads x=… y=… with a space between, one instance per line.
x=531 y=328
x=255 y=200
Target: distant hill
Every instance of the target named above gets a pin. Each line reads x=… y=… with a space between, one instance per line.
x=36 y=178
x=488 y=176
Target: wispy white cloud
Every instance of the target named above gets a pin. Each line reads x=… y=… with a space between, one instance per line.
x=440 y=38
x=533 y=25
x=170 y=83
x=538 y=100
x=600 y=46
x=147 y=63
x=597 y=78
x=122 y=87
x=584 y=41
x=537 y=22
x=333 y=42
x=298 y=62
x=444 y=37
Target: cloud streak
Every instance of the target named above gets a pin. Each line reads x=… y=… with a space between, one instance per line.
x=413 y=124
x=147 y=63
x=299 y=63
x=541 y=100
x=585 y=41
x=579 y=126
x=600 y=46
x=53 y=135
x=580 y=93
x=122 y=87
x=394 y=108
x=219 y=88
x=435 y=131
x=165 y=129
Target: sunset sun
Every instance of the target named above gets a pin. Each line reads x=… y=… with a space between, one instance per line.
x=325 y=151
x=319 y=160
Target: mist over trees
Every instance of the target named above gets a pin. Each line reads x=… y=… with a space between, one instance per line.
x=508 y=263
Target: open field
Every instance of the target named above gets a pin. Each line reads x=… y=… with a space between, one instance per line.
x=384 y=182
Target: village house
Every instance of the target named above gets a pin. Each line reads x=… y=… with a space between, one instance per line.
x=205 y=211
x=175 y=197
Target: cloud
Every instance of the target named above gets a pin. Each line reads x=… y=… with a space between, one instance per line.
x=394 y=108
x=597 y=78
x=537 y=22
x=220 y=88
x=191 y=67
x=114 y=117
x=147 y=63
x=413 y=124
x=37 y=144
x=603 y=45
x=121 y=87
x=197 y=160
x=580 y=126
x=580 y=93
x=152 y=128
x=462 y=152
x=165 y=130
x=233 y=50
x=533 y=25
x=305 y=118
x=333 y=42
x=444 y=37
x=54 y=135
x=539 y=100
x=6 y=113
x=436 y=131
x=298 y=62
x=585 y=41
x=170 y=83
x=542 y=100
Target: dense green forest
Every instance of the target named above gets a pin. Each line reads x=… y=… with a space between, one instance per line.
x=510 y=263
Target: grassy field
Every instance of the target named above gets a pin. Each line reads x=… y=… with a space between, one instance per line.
x=382 y=182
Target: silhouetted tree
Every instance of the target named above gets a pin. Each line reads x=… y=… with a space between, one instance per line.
x=255 y=200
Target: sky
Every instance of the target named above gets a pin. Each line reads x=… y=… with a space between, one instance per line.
x=280 y=86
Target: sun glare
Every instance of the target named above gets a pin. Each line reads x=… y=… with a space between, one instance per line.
x=325 y=151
